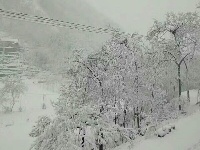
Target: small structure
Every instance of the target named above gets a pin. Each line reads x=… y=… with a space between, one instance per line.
x=10 y=57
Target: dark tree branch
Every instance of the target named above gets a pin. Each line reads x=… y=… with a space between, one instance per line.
x=183 y=58
x=175 y=60
x=90 y=71
x=185 y=65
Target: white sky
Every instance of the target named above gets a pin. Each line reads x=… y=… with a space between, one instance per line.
x=138 y=15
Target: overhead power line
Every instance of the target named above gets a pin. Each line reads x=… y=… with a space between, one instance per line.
x=55 y=22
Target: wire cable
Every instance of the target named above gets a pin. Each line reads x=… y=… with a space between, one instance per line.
x=56 y=23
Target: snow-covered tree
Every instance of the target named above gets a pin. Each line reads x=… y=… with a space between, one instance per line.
x=79 y=123
x=108 y=97
x=178 y=38
x=12 y=88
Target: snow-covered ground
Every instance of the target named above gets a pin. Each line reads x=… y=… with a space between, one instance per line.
x=193 y=96
x=185 y=137
x=15 y=127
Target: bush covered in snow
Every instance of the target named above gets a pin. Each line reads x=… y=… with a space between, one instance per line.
x=40 y=126
x=161 y=132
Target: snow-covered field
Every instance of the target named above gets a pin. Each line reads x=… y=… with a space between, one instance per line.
x=15 y=127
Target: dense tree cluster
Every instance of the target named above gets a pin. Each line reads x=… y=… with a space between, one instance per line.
x=111 y=96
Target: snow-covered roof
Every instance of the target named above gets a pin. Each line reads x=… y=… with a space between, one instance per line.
x=10 y=40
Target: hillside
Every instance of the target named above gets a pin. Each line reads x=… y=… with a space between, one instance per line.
x=56 y=41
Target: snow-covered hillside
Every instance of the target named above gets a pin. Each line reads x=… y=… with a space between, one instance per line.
x=185 y=137
x=53 y=40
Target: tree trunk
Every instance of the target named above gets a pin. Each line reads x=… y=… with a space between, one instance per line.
x=179 y=86
x=115 y=119
x=188 y=92
x=174 y=91
x=152 y=92
x=137 y=118
x=188 y=95
x=124 y=123
x=83 y=138
x=137 y=91
x=134 y=116
x=83 y=141
x=101 y=145
x=138 y=121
